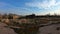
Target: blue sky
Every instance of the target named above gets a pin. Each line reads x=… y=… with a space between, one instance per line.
x=25 y=7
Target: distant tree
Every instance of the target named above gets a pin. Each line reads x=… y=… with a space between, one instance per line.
x=48 y=14
x=31 y=16
x=4 y=16
x=10 y=16
x=55 y=14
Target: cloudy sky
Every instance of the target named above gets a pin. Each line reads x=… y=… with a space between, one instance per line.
x=24 y=7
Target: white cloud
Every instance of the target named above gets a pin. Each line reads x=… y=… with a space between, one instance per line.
x=51 y=12
x=55 y=11
x=44 y=4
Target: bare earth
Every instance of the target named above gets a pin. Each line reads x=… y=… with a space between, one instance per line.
x=50 y=29
x=5 y=30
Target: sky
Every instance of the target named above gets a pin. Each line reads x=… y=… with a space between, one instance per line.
x=26 y=7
